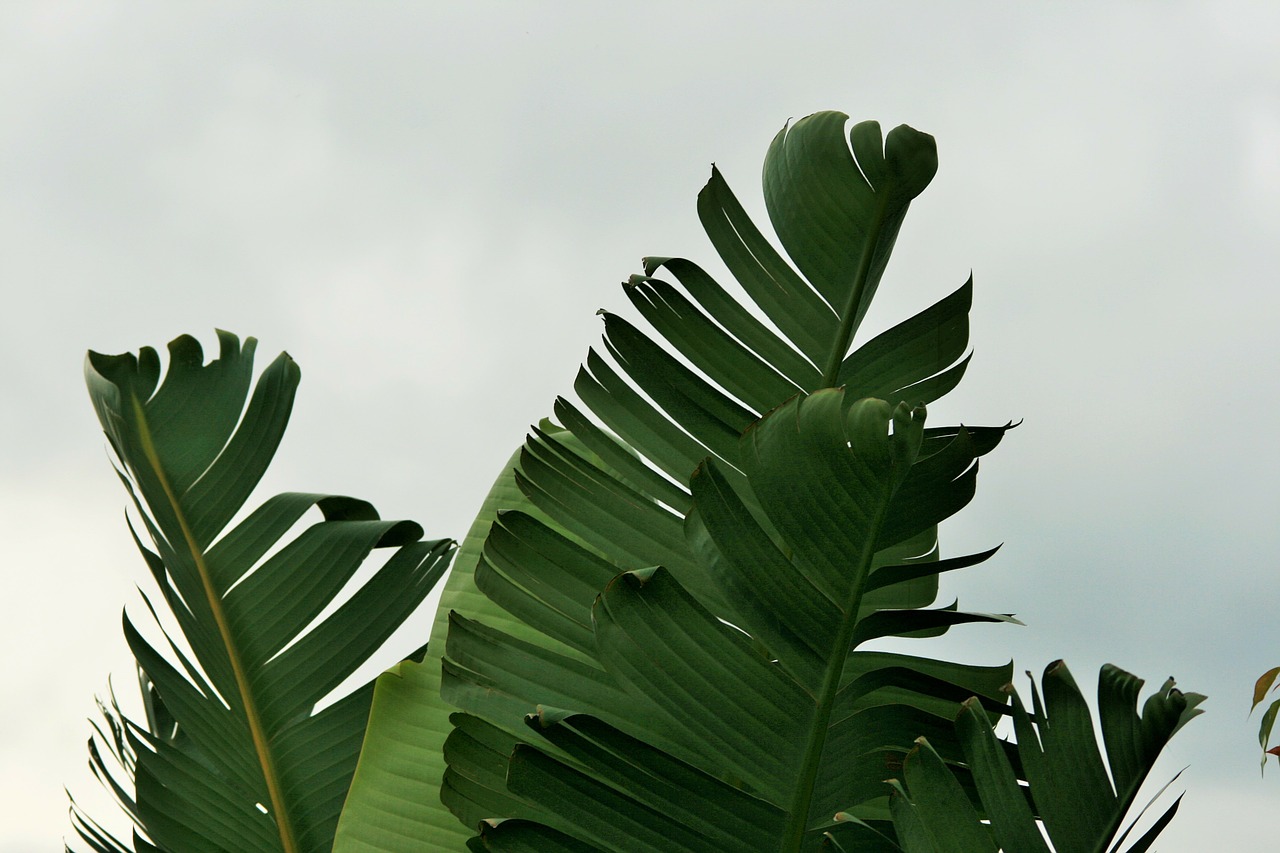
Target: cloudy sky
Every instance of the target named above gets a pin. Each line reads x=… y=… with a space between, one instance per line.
x=425 y=204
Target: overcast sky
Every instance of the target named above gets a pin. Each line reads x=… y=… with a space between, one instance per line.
x=426 y=207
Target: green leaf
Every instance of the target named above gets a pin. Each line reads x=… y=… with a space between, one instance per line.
x=1265 y=685
x=898 y=365
x=1003 y=797
x=233 y=754
x=781 y=709
x=942 y=808
x=816 y=186
x=612 y=497
x=1068 y=786
x=394 y=803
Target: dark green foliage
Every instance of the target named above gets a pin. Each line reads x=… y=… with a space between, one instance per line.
x=232 y=755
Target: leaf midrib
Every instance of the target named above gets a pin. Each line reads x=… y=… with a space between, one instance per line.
x=284 y=824
x=844 y=334
x=798 y=814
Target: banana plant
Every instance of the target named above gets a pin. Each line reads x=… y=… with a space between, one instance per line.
x=232 y=753
x=595 y=499
x=660 y=633
x=1080 y=806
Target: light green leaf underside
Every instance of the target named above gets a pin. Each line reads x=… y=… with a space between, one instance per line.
x=395 y=799
x=395 y=796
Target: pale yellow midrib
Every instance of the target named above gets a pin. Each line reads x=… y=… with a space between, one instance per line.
x=283 y=824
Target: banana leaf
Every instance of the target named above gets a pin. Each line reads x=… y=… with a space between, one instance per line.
x=232 y=753
x=609 y=494
x=1081 y=807
x=695 y=734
